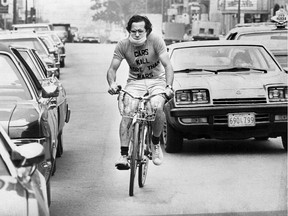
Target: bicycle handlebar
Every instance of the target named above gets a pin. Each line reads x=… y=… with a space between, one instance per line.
x=148 y=97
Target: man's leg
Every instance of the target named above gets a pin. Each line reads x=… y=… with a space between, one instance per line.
x=157 y=128
x=124 y=133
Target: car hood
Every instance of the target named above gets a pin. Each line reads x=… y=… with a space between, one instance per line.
x=13 y=197
x=230 y=84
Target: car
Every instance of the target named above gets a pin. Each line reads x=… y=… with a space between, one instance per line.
x=64 y=32
x=22 y=187
x=90 y=38
x=32 y=27
x=274 y=35
x=31 y=40
x=59 y=44
x=52 y=48
x=28 y=110
x=37 y=65
x=217 y=99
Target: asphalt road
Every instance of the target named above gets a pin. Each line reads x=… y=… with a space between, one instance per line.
x=210 y=177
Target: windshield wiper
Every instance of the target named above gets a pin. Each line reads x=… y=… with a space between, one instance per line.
x=188 y=70
x=233 y=69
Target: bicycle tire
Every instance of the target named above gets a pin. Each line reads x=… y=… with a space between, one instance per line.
x=133 y=159
x=143 y=166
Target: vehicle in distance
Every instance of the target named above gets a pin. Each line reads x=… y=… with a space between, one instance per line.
x=32 y=40
x=32 y=27
x=225 y=90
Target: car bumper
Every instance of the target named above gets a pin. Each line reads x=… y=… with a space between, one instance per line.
x=216 y=125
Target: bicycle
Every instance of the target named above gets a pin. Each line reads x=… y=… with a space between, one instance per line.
x=140 y=143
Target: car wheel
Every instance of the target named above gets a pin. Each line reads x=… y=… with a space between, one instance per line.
x=60 y=145
x=62 y=63
x=172 y=139
x=54 y=167
x=261 y=138
x=48 y=193
x=284 y=141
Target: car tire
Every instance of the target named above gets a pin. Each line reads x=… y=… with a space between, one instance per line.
x=60 y=145
x=48 y=193
x=62 y=63
x=172 y=139
x=53 y=168
x=284 y=141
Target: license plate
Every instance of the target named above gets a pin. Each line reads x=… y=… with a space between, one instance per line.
x=241 y=119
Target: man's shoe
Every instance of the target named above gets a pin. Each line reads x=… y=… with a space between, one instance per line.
x=122 y=163
x=157 y=154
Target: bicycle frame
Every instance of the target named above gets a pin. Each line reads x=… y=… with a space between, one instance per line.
x=140 y=145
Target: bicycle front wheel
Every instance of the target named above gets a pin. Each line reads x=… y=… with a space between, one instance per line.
x=134 y=158
x=143 y=166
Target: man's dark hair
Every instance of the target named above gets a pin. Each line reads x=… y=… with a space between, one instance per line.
x=139 y=18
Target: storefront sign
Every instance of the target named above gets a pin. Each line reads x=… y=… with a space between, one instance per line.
x=244 y=4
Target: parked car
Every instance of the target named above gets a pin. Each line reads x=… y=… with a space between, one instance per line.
x=274 y=35
x=31 y=40
x=90 y=38
x=219 y=97
x=32 y=27
x=58 y=43
x=28 y=110
x=22 y=187
x=37 y=65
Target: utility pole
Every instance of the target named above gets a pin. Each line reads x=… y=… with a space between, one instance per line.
x=239 y=11
x=15 y=15
x=26 y=12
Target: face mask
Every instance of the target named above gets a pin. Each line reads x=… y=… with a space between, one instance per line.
x=139 y=42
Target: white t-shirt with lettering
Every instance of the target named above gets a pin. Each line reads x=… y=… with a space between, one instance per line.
x=143 y=61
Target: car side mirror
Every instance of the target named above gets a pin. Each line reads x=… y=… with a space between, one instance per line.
x=49 y=91
x=28 y=155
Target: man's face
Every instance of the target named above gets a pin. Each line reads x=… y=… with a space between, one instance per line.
x=138 y=30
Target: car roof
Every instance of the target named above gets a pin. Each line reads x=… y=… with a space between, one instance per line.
x=256 y=27
x=5 y=48
x=16 y=35
x=214 y=43
x=31 y=25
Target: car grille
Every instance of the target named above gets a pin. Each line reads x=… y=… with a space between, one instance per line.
x=223 y=119
x=238 y=101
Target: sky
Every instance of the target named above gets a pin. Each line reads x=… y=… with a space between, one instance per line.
x=75 y=12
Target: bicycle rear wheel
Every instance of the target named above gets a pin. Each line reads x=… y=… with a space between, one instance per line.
x=143 y=166
x=134 y=158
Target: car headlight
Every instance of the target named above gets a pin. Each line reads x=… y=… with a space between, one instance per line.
x=193 y=96
x=278 y=94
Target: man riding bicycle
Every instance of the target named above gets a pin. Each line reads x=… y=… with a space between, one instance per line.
x=150 y=71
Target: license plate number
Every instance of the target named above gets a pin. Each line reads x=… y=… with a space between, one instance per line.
x=241 y=119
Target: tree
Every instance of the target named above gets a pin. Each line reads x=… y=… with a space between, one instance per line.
x=119 y=11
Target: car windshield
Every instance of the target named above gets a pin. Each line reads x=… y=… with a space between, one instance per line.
x=13 y=87
x=27 y=42
x=213 y=58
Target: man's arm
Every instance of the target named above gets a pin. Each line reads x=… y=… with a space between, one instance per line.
x=164 y=58
x=111 y=75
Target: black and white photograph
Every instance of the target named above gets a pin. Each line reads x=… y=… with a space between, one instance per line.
x=143 y=107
